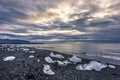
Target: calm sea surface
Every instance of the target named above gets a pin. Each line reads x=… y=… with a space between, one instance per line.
x=79 y=47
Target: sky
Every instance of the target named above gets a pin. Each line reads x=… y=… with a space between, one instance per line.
x=60 y=20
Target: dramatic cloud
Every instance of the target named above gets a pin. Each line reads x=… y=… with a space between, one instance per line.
x=60 y=20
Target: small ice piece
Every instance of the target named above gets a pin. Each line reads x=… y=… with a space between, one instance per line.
x=12 y=46
x=92 y=65
x=31 y=56
x=31 y=51
x=38 y=60
x=49 y=60
x=47 y=70
x=83 y=67
x=67 y=62
x=46 y=67
x=8 y=49
x=59 y=56
x=111 y=66
x=63 y=63
x=25 y=49
x=9 y=58
x=75 y=59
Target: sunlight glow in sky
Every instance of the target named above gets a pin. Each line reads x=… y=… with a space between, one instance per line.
x=44 y=20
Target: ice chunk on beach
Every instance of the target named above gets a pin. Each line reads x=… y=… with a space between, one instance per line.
x=63 y=63
x=25 y=49
x=46 y=67
x=92 y=65
x=9 y=58
x=67 y=62
x=47 y=70
x=111 y=66
x=31 y=56
x=8 y=49
x=49 y=60
x=38 y=60
x=31 y=51
x=59 y=56
x=75 y=59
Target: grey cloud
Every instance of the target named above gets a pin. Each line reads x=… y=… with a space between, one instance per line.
x=11 y=10
x=13 y=36
x=101 y=23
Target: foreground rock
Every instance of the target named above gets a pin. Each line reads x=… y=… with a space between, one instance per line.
x=33 y=66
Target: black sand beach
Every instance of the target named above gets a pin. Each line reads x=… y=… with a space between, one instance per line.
x=25 y=68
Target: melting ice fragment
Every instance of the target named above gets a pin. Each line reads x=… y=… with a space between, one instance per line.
x=9 y=58
x=25 y=49
x=49 y=60
x=47 y=70
x=8 y=49
x=31 y=51
x=63 y=63
x=38 y=60
x=67 y=62
x=111 y=66
x=59 y=56
x=31 y=56
x=75 y=59
x=92 y=65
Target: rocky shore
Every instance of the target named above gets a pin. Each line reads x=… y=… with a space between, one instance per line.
x=26 y=63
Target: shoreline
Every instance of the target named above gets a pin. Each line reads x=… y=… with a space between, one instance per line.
x=26 y=66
